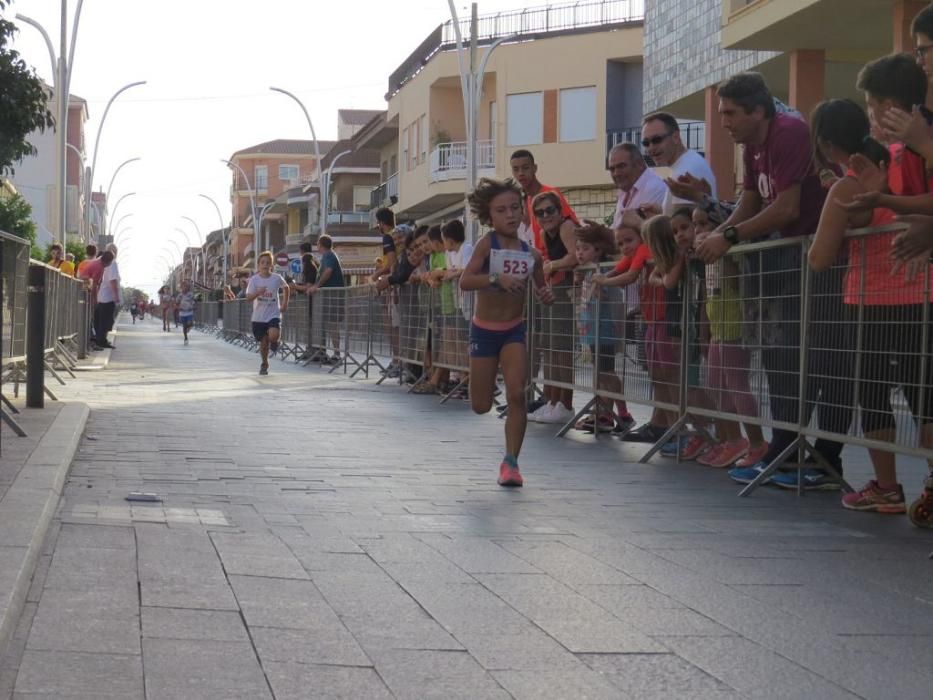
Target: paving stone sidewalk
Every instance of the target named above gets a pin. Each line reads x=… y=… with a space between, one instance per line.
x=321 y=537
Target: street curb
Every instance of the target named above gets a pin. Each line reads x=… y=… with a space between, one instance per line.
x=32 y=499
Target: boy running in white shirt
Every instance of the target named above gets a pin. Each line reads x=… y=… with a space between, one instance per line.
x=263 y=291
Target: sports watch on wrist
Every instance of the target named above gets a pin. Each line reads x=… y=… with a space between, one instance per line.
x=731 y=234
x=494 y=279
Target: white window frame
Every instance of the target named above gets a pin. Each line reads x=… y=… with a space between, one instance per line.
x=261 y=172
x=523 y=126
x=423 y=134
x=577 y=114
x=405 y=157
x=361 y=197
x=297 y=171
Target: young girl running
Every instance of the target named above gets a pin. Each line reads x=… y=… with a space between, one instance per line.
x=499 y=271
x=165 y=306
x=263 y=291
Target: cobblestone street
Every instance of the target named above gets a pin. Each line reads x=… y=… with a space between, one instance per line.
x=323 y=537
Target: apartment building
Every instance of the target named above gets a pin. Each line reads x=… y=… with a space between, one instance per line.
x=566 y=83
x=36 y=177
x=806 y=49
x=272 y=169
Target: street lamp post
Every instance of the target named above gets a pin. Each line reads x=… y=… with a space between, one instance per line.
x=190 y=255
x=330 y=169
x=116 y=206
x=61 y=70
x=100 y=127
x=252 y=202
x=317 y=156
x=471 y=83
x=203 y=242
x=122 y=230
x=112 y=178
x=223 y=232
x=262 y=213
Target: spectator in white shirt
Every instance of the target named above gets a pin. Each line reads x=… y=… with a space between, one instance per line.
x=641 y=190
x=660 y=137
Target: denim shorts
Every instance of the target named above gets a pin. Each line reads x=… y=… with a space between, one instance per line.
x=487 y=343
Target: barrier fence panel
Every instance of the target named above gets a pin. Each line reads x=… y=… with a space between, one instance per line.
x=414 y=319
x=317 y=340
x=384 y=337
x=450 y=340
x=294 y=333
x=207 y=315
x=870 y=349
x=14 y=263
x=361 y=307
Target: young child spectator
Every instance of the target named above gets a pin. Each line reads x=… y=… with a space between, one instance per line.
x=598 y=308
x=436 y=349
x=670 y=240
x=456 y=327
x=499 y=272
x=728 y=362
x=635 y=266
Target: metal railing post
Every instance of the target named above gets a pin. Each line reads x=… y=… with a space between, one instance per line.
x=35 y=337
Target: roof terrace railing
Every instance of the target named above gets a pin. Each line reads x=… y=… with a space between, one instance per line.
x=526 y=24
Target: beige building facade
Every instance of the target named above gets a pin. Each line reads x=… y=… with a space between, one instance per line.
x=563 y=92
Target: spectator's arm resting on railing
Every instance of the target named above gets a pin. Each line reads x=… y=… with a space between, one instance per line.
x=916 y=240
x=834 y=220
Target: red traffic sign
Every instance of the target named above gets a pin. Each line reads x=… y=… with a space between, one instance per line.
x=281 y=259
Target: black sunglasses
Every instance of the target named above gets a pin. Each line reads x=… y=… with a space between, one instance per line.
x=546 y=211
x=654 y=140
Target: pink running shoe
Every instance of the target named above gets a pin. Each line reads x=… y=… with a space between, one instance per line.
x=874 y=499
x=728 y=454
x=710 y=454
x=695 y=446
x=753 y=457
x=509 y=475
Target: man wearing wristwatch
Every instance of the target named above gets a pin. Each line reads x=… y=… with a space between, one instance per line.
x=781 y=198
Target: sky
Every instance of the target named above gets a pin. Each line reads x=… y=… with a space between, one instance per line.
x=208 y=66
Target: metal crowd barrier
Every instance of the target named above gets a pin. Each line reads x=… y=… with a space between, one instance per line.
x=756 y=341
x=207 y=316
x=34 y=295
x=14 y=262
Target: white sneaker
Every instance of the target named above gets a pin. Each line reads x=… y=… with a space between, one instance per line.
x=541 y=414
x=559 y=414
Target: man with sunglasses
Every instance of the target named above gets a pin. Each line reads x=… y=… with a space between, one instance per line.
x=660 y=137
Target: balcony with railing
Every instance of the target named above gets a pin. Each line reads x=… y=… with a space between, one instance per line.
x=525 y=24
x=692 y=133
x=386 y=194
x=336 y=218
x=449 y=160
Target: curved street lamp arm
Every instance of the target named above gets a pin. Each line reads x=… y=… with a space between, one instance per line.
x=114 y=177
x=48 y=41
x=317 y=152
x=101 y=126
x=74 y=40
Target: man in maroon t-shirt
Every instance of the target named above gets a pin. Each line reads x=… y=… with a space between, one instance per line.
x=781 y=197
x=93 y=272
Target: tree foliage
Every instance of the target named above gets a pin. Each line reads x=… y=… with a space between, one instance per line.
x=23 y=101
